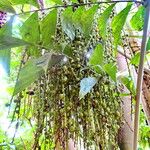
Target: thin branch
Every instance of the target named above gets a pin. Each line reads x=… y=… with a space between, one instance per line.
x=20 y=67
x=16 y=129
x=23 y=143
x=129 y=57
x=76 y=5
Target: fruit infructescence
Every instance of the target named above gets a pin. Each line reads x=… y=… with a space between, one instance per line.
x=3 y=16
x=58 y=111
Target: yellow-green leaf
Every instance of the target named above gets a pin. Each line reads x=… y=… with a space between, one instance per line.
x=97 y=58
x=137 y=21
x=111 y=70
x=6 y=6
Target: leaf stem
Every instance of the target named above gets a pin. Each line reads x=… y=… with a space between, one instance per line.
x=76 y=5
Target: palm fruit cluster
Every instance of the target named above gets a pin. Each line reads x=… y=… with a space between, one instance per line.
x=3 y=16
x=60 y=115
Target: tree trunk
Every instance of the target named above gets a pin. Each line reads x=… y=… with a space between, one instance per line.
x=126 y=131
x=146 y=97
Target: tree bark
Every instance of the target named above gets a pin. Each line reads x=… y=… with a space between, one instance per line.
x=126 y=131
x=146 y=97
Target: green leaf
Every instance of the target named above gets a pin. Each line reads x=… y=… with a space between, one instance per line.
x=58 y=2
x=74 y=1
x=30 y=32
x=35 y=68
x=111 y=70
x=87 y=20
x=7 y=28
x=76 y=18
x=97 y=58
x=118 y=23
x=7 y=42
x=68 y=50
x=6 y=53
x=137 y=21
x=28 y=74
x=48 y=28
x=5 y=6
x=67 y=23
x=30 y=29
x=135 y=60
x=128 y=82
x=103 y=20
x=48 y=60
x=83 y=19
x=148 y=44
x=86 y=85
x=22 y=2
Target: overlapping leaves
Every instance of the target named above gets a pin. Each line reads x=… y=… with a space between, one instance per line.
x=97 y=63
x=6 y=43
x=80 y=19
x=35 y=68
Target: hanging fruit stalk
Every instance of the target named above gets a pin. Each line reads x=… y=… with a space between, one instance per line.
x=61 y=115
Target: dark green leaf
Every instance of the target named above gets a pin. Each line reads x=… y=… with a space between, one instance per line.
x=137 y=21
x=10 y=42
x=118 y=23
x=67 y=23
x=86 y=85
x=148 y=45
x=111 y=70
x=97 y=58
x=34 y=69
x=5 y=6
x=48 y=28
x=102 y=22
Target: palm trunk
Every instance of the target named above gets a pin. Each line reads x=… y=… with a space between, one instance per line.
x=126 y=131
